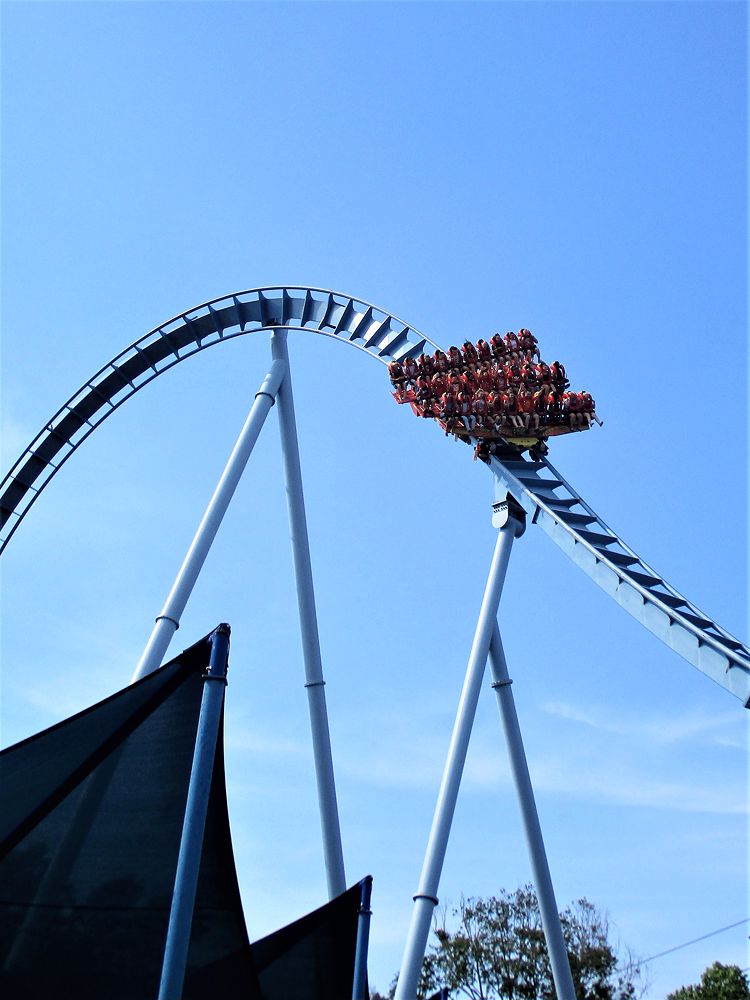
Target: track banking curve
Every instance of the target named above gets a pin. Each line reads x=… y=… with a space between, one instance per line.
x=543 y=493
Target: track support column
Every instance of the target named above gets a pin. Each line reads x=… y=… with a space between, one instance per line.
x=425 y=899
x=314 y=683
x=194 y=823
x=168 y=621
x=553 y=934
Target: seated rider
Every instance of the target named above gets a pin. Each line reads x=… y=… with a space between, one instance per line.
x=448 y=410
x=571 y=405
x=501 y=382
x=511 y=342
x=525 y=407
x=543 y=373
x=426 y=365
x=486 y=376
x=397 y=376
x=497 y=410
x=480 y=408
x=465 y=409
x=411 y=369
x=529 y=344
x=441 y=363
x=498 y=348
x=528 y=374
x=558 y=376
x=589 y=409
x=439 y=384
x=512 y=373
x=554 y=407
x=455 y=359
x=539 y=397
x=470 y=377
x=424 y=395
x=470 y=352
x=510 y=410
x=484 y=350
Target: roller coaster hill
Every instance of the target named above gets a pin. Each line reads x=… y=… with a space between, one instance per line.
x=498 y=392
x=96 y=781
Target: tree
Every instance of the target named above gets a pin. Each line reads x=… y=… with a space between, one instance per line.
x=498 y=952
x=718 y=982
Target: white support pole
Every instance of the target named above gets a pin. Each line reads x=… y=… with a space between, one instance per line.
x=168 y=621
x=425 y=899
x=532 y=829
x=194 y=821
x=314 y=683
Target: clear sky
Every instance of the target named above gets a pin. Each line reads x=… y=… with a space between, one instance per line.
x=579 y=169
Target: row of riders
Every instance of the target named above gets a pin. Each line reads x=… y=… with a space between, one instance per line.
x=492 y=385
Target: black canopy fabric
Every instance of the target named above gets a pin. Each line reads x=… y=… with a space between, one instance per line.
x=91 y=815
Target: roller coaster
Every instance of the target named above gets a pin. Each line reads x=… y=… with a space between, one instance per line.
x=528 y=489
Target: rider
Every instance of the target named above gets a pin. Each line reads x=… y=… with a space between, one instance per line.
x=439 y=384
x=397 y=376
x=464 y=405
x=411 y=368
x=486 y=376
x=426 y=364
x=470 y=352
x=528 y=343
x=441 y=363
x=498 y=348
x=509 y=401
x=558 y=376
x=424 y=395
x=525 y=407
x=479 y=407
x=455 y=359
x=511 y=343
x=484 y=350
x=448 y=410
x=589 y=408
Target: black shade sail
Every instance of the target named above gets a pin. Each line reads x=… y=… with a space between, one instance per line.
x=91 y=815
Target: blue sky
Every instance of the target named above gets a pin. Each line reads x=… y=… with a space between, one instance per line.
x=579 y=169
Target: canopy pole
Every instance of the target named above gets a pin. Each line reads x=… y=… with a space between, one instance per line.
x=359 y=987
x=191 y=843
x=425 y=899
x=168 y=620
x=532 y=829
x=314 y=683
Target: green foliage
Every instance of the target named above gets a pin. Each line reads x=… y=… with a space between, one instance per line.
x=498 y=952
x=718 y=982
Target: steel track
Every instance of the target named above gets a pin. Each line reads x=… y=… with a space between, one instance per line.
x=543 y=493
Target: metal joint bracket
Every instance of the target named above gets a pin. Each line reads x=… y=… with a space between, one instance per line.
x=506 y=511
x=270 y=396
x=425 y=895
x=501 y=684
x=315 y=684
x=215 y=677
x=166 y=618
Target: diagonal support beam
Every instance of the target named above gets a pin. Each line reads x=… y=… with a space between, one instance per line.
x=314 y=683
x=551 y=925
x=426 y=899
x=168 y=620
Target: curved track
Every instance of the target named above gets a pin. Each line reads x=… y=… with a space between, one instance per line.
x=294 y=307
x=543 y=493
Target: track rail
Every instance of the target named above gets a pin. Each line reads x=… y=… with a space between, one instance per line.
x=549 y=500
x=295 y=307
x=588 y=541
